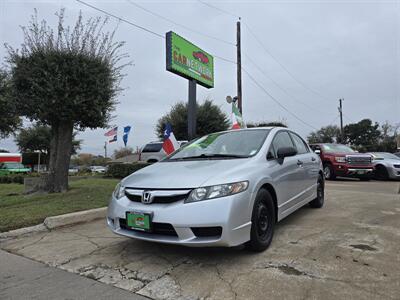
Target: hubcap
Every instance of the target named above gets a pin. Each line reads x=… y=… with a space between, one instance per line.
x=327 y=172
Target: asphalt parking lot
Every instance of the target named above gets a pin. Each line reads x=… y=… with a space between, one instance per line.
x=350 y=249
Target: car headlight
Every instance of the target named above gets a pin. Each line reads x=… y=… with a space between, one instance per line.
x=217 y=191
x=119 y=191
x=340 y=159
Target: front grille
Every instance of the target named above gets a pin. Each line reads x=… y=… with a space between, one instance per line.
x=157 y=228
x=158 y=199
x=358 y=160
x=157 y=195
x=207 y=231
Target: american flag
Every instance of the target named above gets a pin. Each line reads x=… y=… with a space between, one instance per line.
x=112 y=132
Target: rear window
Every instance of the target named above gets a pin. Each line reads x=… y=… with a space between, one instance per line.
x=154 y=147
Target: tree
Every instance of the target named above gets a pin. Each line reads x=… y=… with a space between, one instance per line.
x=210 y=118
x=122 y=152
x=266 y=124
x=38 y=138
x=364 y=135
x=9 y=119
x=66 y=78
x=387 y=139
x=327 y=134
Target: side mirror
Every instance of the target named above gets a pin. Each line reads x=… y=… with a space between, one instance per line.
x=286 y=152
x=317 y=151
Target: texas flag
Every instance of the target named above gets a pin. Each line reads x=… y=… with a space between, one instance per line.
x=170 y=144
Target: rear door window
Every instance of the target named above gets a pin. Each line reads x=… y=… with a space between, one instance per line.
x=153 y=147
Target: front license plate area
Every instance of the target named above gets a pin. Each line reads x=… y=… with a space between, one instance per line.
x=139 y=221
x=360 y=172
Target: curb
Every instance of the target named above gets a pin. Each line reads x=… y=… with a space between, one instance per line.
x=59 y=221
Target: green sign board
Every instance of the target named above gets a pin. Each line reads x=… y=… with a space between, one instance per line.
x=189 y=61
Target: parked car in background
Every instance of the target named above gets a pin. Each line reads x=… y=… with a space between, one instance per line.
x=73 y=170
x=386 y=165
x=224 y=189
x=153 y=152
x=341 y=160
x=9 y=168
x=98 y=169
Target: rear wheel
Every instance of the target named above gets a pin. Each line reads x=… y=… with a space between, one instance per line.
x=319 y=201
x=329 y=173
x=381 y=172
x=262 y=221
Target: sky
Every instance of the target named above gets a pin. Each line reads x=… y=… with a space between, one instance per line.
x=299 y=58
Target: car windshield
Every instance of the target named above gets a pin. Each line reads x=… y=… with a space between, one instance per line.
x=384 y=155
x=223 y=145
x=337 y=148
x=13 y=166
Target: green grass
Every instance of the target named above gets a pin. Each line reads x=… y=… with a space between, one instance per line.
x=18 y=210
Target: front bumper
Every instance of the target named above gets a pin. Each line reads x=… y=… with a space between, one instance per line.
x=345 y=170
x=232 y=214
x=394 y=173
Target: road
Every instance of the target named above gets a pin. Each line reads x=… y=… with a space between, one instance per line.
x=347 y=250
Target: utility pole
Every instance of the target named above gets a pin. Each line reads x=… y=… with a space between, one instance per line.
x=105 y=149
x=239 y=67
x=340 y=108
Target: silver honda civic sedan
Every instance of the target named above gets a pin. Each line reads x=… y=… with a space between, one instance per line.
x=224 y=189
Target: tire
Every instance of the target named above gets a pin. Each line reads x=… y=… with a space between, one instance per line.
x=262 y=222
x=329 y=173
x=319 y=201
x=381 y=173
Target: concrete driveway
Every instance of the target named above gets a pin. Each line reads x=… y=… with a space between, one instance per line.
x=350 y=249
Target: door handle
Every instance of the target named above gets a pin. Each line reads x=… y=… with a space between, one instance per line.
x=299 y=163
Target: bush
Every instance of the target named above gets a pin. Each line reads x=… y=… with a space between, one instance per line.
x=12 y=179
x=123 y=170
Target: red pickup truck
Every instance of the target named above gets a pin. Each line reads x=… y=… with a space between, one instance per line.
x=341 y=160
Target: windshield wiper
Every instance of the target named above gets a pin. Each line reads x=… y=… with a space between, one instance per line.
x=206 y=156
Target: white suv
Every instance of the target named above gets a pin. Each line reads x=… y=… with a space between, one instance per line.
x=153 y=152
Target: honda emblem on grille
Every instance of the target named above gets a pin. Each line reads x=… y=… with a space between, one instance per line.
x=147 y=197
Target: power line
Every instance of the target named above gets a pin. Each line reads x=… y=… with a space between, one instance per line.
x=281 y=65
x=280 y=87
x=276 y=100
x=178 y=24
x=219 y=9
x=121 y=19
x=267 y=51
x=142 y=28
x=216 y=56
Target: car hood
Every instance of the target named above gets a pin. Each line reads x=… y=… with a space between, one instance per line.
x=387 y=161
x=182 y=174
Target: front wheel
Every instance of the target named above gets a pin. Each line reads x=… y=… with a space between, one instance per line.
x=381 y=173
x=262 y=222
x=319 y=201
x=329 y=173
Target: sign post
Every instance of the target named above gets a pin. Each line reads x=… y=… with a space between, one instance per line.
x=189 y=61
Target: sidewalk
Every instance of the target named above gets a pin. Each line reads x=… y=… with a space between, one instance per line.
x=22 y=278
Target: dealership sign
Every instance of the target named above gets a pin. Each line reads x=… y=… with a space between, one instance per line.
x=189 y=61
